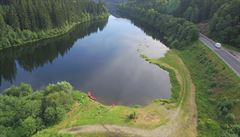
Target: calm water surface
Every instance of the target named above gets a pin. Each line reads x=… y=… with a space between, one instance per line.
x=103 y=57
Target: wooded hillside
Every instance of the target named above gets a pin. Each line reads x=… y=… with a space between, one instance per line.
x=222 y=15
x=20 y=19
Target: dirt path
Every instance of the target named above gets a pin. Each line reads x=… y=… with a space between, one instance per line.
x=183 y=120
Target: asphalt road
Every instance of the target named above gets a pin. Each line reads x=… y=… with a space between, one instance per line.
x=228 y=58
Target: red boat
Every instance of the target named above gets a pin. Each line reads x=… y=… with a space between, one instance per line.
x=91 y=96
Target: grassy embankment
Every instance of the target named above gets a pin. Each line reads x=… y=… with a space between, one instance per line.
x=51 y=33
x=159 y=112
x=217 y=91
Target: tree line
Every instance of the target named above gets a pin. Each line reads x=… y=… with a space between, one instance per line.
x=222 y=15
x=26 y=20
x=177 y=32
x=225 y=24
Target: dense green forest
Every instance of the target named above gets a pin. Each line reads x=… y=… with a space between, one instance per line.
x=177 y=32
x=24 y=111
x=22 y=21
x=221 y=15
x=225 y=24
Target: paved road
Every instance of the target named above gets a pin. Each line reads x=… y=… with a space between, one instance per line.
x=228 y=58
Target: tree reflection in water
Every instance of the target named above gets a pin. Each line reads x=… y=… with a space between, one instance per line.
x=35 y=55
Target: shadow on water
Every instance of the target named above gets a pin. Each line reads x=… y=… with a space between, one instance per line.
x=35 y=55
x=148 y=29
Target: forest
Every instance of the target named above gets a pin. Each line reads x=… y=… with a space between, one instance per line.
x=222 y=15
x=23 y=21
x=177 y=32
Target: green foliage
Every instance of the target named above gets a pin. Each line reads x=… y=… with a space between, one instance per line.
x=225 y=24
x=193 y=10
x=24 y=21
x=29 y=126
x=178 y=32
x=224 y=107
x=175 y=43
x=217 y=92
x=52 y=115
x=22 y=90
x=2 y=26
x=23 y=111
x=132 y=116
x=191 y=14
x=223 y=15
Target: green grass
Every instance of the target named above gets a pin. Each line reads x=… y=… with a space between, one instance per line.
x=168 y=59
x=86 y=111
x=173 y=64
x=214 y=81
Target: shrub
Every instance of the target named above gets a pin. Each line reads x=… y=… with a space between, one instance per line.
x=29 y=126
x=230 y=117
x=132 y=116
x=224 y=107
x=53 y=115
x=175 y=44
x=212 y=124
x=22 y=90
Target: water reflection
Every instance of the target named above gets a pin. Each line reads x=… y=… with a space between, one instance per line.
x=106 y=62
x=33 y=56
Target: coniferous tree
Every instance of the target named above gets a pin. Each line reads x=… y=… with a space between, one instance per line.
x=26 y=20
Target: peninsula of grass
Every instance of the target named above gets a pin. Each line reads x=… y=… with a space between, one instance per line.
x=84 y=111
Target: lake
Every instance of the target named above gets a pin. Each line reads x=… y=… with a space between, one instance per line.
x=102 y=57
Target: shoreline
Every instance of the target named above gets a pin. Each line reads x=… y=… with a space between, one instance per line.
x=62 y=31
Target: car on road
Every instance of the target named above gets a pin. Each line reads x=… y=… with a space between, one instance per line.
x=218 y=45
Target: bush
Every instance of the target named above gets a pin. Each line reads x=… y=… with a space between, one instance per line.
x=53 y=115
x=132 y=116
x=224 y=108
x=29 y=126
x=212 y=124
x=175 y=44
x=230 y=117
x=22 y=90
x=60 y=86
